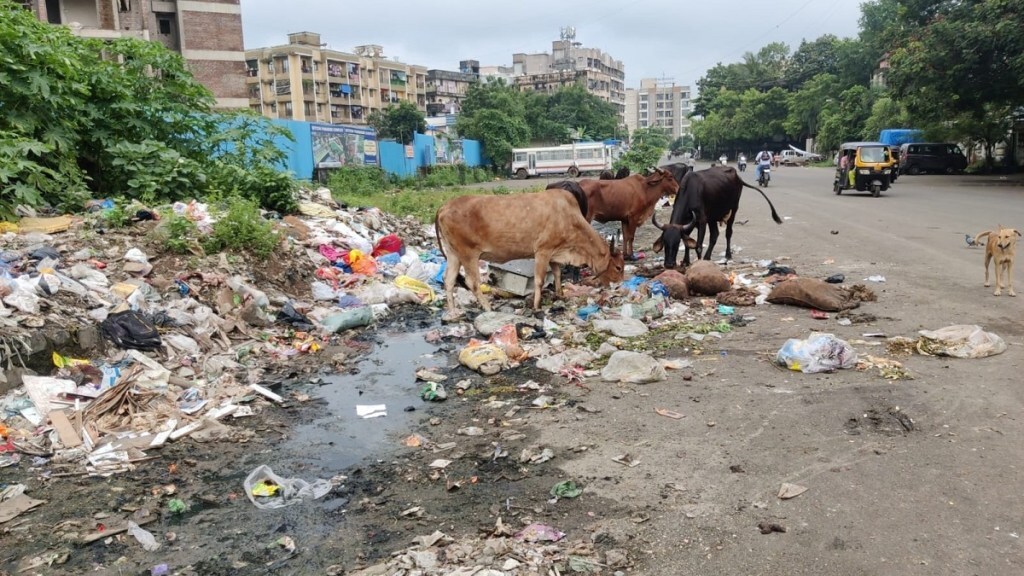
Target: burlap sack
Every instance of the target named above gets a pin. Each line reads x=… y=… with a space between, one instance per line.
x=705 y=277
x=676 y=284
x=814 y=293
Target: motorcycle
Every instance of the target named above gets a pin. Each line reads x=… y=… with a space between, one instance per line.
x=743 y=163
x=724 y=160
x=766 y=176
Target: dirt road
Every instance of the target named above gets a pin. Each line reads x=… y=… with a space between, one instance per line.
x=910 y=477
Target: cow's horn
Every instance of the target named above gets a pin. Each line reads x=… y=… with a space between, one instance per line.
x=611 y=244
x=688 y=227
x=654 y=220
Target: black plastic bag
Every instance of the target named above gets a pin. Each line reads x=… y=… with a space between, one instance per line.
x=290 y=316
x=44 y=252
x=131 y=330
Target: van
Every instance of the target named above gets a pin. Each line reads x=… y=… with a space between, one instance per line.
x=918 y=157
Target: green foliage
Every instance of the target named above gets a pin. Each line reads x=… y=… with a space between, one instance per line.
x=503 y=118
x=81 y=117
x=645 y=150
x=242 y=229
x=349 y=181
x=116 y=217
x=399 y=122
x=179 y=234
x=422 y=205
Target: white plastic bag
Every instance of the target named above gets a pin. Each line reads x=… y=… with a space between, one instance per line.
x=323 y=291
x=818 y=353
x=145 y=537
x=633 y=368
x=960 y=341
x=290 y=491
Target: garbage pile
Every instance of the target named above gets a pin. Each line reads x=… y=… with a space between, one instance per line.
x=532 y=550
x=112 y=346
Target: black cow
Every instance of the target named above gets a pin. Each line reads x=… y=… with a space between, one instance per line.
x=705 y=198
x=606 y=175
x=678 y=170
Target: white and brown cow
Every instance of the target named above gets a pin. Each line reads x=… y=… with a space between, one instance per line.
x=547 y=226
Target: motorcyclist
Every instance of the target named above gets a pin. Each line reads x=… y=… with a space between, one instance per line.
x=723 y=159
x=764 y=160
x=742 y=162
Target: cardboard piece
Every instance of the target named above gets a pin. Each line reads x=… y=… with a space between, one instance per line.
x=68 y=437
x=11 y=509
x=44 y=225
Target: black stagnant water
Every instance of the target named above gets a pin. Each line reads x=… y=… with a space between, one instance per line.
x=341 y=439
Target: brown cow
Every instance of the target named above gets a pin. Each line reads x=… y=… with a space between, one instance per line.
x=546 y=226
x=630 y=201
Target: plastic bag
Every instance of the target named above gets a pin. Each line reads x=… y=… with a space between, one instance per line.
x=290 y=316
x=960 y=341
x=633 y=368
x=145 y=537
x=330 y=252
x=361 y=263
x=482 y=357
x=348 y=319
x=818 y=353
x=425 y=292
x=130 y=330
x=388 y=245
x=508 y=339
x=323 y=291
x=291 y=491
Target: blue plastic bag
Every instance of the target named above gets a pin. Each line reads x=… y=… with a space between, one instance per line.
x=634 y=283
x=587 y=311
x=658 y=289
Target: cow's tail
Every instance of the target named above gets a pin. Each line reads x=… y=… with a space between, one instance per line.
x=775 y=215
x=576 y=190
x=437 y=233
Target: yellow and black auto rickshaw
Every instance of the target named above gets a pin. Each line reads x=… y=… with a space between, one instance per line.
x=865 y=167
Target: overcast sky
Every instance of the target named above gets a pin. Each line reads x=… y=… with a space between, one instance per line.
x=678 y=39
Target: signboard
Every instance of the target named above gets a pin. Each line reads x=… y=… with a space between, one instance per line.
x=337 y=145
x=409 y=152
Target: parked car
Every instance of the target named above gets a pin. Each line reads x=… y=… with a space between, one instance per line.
x=918 y=157
x=794 y=158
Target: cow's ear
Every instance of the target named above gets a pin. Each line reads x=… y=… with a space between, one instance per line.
x=1017 y=232
x=659 y=244
x=690 y=242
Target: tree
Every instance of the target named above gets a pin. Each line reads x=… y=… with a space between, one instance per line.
x=806 y=105
x=120 y=118
x=646 y=147
x=400 y=122
x=495 y=114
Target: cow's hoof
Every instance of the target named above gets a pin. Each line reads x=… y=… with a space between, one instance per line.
x=987 y=284
x=997 y=293
x=453 y=316
x=1012 y=293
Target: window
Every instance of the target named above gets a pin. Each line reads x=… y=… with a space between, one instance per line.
x=164 y=26
x=520 y=156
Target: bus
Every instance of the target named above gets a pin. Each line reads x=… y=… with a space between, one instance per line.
x=572 y=159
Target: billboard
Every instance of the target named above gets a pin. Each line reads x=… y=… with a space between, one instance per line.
x=337 y=145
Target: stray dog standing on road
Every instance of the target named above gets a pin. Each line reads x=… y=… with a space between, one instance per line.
x=1001 y=246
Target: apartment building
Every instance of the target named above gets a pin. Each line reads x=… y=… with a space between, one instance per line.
x=571 y=63
x=305 y=80
x=447 y=89
x=207 y=34
x=661 y=103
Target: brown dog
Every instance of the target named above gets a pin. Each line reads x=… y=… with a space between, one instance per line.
x=1001 y=246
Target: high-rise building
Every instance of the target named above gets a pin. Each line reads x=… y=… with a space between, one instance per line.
x=570 y=63
x=305 y=80
x=661 y=103
x=446 y=89
x=207 y=34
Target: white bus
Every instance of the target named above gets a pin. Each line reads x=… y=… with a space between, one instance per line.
x=571 y=159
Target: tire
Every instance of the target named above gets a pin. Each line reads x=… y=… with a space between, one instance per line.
x=521 y=174
x=837 y=189
x=876 y=190
x=573 y=172
x=950 y=170
x=914 y=170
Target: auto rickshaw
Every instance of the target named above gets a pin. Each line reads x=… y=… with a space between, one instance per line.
x=863 y=166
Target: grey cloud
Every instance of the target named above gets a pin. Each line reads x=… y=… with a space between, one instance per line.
x=654 y=38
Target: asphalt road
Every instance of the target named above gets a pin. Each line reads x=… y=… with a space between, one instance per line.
x=944 y=498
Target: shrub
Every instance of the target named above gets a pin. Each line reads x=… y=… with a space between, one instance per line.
x=179 y=234
x=242 y=229
x=358 y=180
